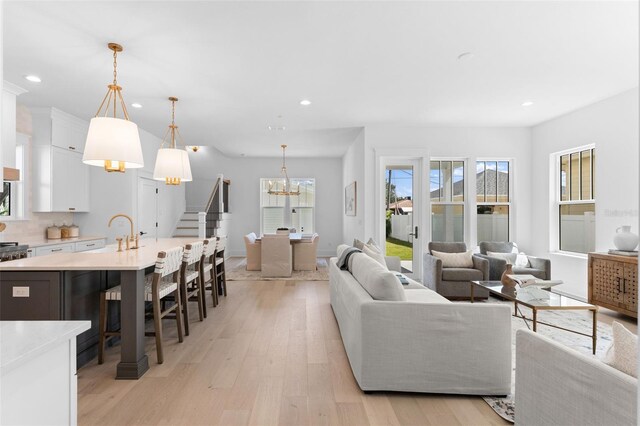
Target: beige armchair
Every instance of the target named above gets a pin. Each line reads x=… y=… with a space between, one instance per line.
x=277 y=256
x=305 y=254
x=254 y=252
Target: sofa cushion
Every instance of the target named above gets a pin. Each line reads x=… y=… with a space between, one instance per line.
x=538 y=273
x=341 y=248
x=373 y=253
x=455 y=260
x=509 y=257
x=623 y=352
x=461 y=274
x=376 y=279
x=424 y=296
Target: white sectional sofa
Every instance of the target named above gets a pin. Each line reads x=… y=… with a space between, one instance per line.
x=556 y=385
x=421 y=342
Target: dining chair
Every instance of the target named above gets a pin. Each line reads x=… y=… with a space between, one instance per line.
x=277 y=255
x=162 y=283
x=191 y=289
x=220 y=266
x=207 y=271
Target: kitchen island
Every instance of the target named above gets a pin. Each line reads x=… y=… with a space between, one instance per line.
x=66 y=286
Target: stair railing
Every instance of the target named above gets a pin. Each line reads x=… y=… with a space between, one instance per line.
x=215 y=204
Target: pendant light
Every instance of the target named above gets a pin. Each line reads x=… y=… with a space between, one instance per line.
x=172 y=163
x=285 y=188
x=112 y=142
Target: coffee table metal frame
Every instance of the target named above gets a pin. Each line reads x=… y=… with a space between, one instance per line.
x=535 y=308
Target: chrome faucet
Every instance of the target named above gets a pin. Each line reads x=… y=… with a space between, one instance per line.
x=131 y=236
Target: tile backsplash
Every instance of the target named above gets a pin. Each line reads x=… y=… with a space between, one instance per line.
x=35 y=227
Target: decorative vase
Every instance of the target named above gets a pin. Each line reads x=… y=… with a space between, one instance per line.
x=625 y=239
x=505 y=280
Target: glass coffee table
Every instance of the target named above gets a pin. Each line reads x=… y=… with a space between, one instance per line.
x=538 y=299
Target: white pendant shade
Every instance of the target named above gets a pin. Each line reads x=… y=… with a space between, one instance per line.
x=172 y=163
x=115 y=140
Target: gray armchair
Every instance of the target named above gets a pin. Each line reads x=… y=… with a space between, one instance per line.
x=538 y=267
x=453 y=283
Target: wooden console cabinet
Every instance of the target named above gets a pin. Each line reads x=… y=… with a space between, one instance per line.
x=613 y=282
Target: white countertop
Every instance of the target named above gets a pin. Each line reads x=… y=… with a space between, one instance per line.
x=21 y=341
x=104 y=259
x=41 y=242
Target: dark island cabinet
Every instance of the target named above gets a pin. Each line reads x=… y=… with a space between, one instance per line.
x=70 y=295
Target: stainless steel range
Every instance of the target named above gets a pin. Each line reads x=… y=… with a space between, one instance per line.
x=12 y=250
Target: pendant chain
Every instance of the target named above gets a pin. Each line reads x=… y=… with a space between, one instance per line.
x=115 y=65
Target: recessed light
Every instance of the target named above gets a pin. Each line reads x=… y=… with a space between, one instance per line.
x=527 y=103
x=465 y=56
x=305 y=102
x=276 y=127
x=136 y=105
x=33 y=78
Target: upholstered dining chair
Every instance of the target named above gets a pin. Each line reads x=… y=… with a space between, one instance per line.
x=277 y=255
x=536 y=266
x=305 y=254
x=453 y=282
x=254 y=252
x=162 y=283
x=191 y=287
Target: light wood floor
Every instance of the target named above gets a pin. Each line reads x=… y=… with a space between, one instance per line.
x=270 y=353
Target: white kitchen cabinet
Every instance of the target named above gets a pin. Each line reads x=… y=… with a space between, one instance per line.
x=90 y=245
x=60 y=180
x=58 y=248
x=54 y=127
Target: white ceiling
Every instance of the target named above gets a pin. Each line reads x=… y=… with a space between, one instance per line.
x=236 y=67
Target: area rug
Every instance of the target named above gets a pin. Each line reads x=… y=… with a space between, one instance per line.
x=239 y=273
x=579 y=320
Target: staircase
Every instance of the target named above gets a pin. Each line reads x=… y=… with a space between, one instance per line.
x=217 y=215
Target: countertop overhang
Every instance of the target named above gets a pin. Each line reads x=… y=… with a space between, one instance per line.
x=104 y=259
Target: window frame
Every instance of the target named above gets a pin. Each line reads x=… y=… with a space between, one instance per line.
x=287 y=207
x=19 y=189
x=510 y=193
x=465 y=194
x=559 y=202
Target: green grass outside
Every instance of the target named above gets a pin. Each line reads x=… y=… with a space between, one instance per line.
x=399 y=248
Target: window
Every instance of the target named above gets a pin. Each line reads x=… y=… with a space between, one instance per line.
x=493 y=200
x=447 y=200
x=576 y=201
x=296 y=211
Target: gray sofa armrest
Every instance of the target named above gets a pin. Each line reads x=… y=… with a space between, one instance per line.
x=496 y=266
x=393 y=263
x=431 y=271
x=542 y=264
x=482 y=265
x=556 y=385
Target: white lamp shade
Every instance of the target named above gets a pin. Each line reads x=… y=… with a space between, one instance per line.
x=172 y=163
x=113 y=139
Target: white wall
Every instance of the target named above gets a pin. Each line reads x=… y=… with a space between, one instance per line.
x=113 y=193
x=612 y=125
x=468 y=143
x=244 y=198
x=353 y=171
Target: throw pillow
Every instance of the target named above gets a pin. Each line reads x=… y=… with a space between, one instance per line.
x=523 y=261
x=623 y=352
x=358 y=244
x=509 y=257
x=373 y=242
x=455 y=260
x=375 y=254
x=376 y=280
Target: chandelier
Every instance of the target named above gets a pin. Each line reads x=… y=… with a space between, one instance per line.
x=112 y=142
x=283 y=187
x=172 y=164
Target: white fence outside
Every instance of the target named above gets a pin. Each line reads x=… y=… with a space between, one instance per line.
x=401 y=226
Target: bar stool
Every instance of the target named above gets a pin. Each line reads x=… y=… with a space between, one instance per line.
x=162 y=283
x=220 y=268
x=206 y=266
x=191 y=288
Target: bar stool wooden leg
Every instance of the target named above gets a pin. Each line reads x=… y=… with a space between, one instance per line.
x=102 y=326
x=157 y=319
x=224 y=278
x=198 y=284
x=214 y=286
x=176 y=295
x=185 y=306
